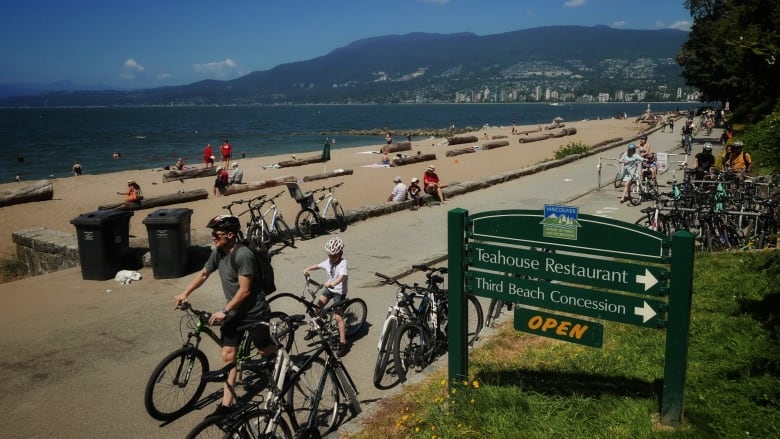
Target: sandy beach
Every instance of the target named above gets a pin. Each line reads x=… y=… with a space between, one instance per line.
x=369 y=184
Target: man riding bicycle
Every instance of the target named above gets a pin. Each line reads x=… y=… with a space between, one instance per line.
x=243 y=291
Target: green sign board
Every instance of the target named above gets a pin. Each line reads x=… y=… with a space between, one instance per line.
x=601 y=304
x=564 y=328
x=598 y=272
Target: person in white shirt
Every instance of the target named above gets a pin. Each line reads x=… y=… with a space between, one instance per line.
x=399 y=190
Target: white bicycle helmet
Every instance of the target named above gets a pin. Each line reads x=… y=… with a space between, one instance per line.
x=334 y=246
x=708 y=146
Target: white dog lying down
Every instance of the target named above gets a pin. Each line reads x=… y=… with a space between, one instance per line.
x=124 y=277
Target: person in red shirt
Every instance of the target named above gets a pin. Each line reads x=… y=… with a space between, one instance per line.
x=221 y=183
x=431 y=183
x=226 y=149
x=208 y=155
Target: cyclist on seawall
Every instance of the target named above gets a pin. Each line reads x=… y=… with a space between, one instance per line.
x=336 y=287
x=243 y=291
x=631 y=161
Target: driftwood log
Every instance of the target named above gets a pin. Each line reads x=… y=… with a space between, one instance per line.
x=163 y=200
x=329 y=174
x=256 y=185
x=495 y=144
x=172 y=175
x=454 y=152
x=413 y=159
x=398 y=147
x=526 y=132
x=458 y=140
x=500 y=136
x=40 y=190
x=300 y=162
x=606 y=142
x=529 y=139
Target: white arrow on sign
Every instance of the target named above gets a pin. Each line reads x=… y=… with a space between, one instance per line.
x=648 y=279
x=646 y=311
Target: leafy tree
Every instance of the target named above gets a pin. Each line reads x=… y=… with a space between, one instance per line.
x=731 y=54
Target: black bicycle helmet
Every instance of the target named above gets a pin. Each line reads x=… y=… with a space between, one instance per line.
x=225 y=223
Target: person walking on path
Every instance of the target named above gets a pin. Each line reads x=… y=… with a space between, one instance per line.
x=631 y=161
x=242 y=287
x=399 y=190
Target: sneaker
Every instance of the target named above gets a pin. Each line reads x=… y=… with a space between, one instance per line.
x=342 y=349
x=220 y=411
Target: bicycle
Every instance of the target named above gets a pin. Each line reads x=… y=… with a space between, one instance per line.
x=311 y=220
x=175 y=385
x=309 y=394
x=404 y=310
x=353 y=310
x=265 y=372
x=418 y=343
x=268 y=233
x=250 y=233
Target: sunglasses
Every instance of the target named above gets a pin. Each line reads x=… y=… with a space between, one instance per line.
x=217 y=236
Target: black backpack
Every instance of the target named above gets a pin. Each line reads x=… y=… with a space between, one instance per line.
x=263 y=266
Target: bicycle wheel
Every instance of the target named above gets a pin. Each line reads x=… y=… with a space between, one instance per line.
x=409 y=350
x=353 y=403
x=315 y=383
x=207 y=429
x=475 y=318
x=254 y=423
x=354 y=315
x=384 y=378
x=175 y=384
x=306 y=223
x=634 y=194
x=283 y=234
x=494 y=311
x=257 y=237
x=618 y=180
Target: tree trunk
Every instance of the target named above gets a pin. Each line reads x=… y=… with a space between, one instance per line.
x=457 y=140
x=400 y=146
x=300 y=162
x=454 y=152
x=163 y=200
x=40 y=190
x=495 y=144
x=529 y=139
x=329 y=174
x=256 y=185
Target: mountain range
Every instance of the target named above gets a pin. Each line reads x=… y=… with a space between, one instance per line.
x=421 y=67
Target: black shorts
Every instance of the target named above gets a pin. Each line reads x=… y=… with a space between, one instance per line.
x=231 y=336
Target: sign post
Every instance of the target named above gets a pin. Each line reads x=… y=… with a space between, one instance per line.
x=581 y=265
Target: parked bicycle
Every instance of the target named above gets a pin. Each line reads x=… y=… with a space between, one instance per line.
x=313 y=220
x=175 y=385
x=273 y=231
x=404 y=310
x=253 y=218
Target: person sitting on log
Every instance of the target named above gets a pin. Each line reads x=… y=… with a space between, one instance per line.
x=133 y=194
x=222 y=181
x=236 y=174
x=415 y=192
x=431 y=183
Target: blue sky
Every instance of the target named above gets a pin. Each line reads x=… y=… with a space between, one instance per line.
x=148 y=43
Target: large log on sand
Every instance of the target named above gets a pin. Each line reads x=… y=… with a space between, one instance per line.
x=400 y=146
x=40 y=190
x=529 y=139
x=457 y=140
x=256 y=185
x=172 y=175
x=495 y=144
x=329 y=174
x=454 y=152
x=163 y=200
x=408 y=160
x=300 y=162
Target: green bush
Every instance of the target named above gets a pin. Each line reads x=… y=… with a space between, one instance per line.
x=571 y=148
x=762 y=142
x=11 y=269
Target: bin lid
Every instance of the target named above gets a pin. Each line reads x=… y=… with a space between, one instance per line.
x=99 y=217
x=168 y=216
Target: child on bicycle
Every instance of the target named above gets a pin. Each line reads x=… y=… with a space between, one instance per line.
x=335 y=287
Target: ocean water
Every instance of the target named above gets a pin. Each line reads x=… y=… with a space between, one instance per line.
x=45 y=142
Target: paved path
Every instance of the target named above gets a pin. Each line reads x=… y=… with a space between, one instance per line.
x=78 y=367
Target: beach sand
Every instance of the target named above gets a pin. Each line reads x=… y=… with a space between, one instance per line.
x=367 y=185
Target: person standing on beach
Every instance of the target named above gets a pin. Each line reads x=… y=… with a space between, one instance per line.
x=208 y=155
x=431 y=183
x=226 y=150
x=76 y=169
x=399 y=190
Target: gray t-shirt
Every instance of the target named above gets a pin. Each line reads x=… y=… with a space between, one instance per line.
x=237 y=176
x=254 y=306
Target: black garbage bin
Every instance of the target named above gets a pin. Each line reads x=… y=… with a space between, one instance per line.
x=169 y=241
x=103 y=238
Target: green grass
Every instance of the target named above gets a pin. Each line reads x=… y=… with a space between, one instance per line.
x=531 y=387
x=11 y=269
